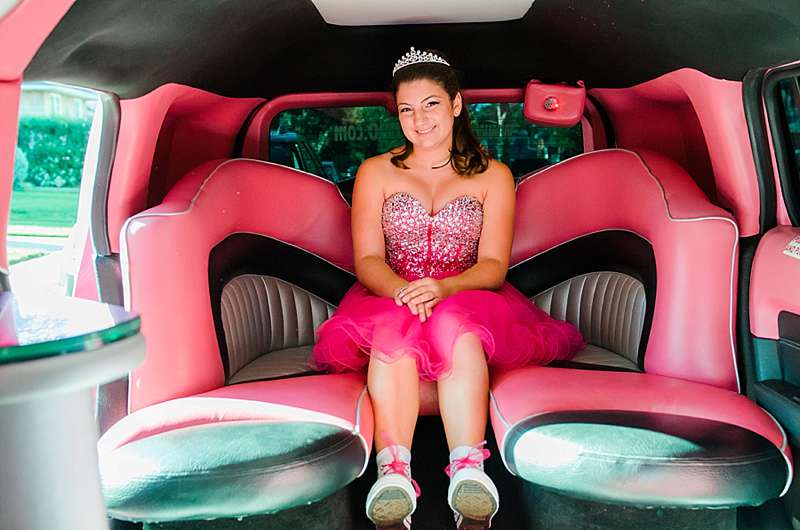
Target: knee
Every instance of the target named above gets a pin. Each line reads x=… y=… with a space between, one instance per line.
x=380 y=369
x=445 y=319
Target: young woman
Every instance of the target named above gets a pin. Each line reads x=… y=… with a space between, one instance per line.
x=432 y=228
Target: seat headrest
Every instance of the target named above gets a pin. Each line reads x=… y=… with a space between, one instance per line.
x=554 y=105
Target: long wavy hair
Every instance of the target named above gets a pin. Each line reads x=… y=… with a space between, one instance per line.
x=467 y=155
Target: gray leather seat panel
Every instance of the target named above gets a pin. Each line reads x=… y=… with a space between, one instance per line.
x=281 y=363
x=262 y=314
x=608 y=308
x=595 y=355
x=269 y=323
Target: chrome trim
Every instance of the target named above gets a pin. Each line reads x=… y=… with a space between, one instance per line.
x=7 y=6
x=109 y=134
x=502 y=443
x=357 y=424
x=789 y=465
x=357 y=431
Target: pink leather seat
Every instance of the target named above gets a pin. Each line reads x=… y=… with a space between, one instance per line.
x=679 y=434
x=198 y=442
x=234 y=271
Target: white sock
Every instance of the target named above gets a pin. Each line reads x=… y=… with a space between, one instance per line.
x=386 y=456
x=464 y=450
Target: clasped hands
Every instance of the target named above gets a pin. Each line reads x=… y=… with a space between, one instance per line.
x=421 y=296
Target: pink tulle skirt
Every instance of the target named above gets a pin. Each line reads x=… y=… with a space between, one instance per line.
x=513 y=332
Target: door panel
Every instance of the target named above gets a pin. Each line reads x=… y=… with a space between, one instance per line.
x=773 y=344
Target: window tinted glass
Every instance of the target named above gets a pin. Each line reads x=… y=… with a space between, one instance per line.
x=789 y=90
x=332 y=142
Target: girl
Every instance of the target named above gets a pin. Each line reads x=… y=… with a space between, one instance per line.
x=432 y=226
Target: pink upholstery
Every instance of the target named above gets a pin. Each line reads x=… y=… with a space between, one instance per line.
x=213 y=201
x=177 y=397
x=85 y=282
x=9 y=108
x=23 y=29
x=774 y=282
x=535 y=390
x=293 y=399
x=168 y=131
x=695 y=245
x=690 y=361
x=664 y=114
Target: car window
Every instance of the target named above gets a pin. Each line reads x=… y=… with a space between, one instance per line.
x=334 y=141
x=43 y=246
x=789 y=90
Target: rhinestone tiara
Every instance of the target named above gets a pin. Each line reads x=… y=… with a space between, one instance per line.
x=416 y=56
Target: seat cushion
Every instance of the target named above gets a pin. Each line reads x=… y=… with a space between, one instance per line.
x=238 y=450
x=280 y=363
x=596 y=358
x=262 y=314
x=637 y=439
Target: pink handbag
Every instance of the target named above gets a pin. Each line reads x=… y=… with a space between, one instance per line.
x=554 y=105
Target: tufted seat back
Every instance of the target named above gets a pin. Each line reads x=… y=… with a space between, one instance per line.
x=264 y=314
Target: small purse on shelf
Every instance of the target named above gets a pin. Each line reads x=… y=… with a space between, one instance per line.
x=554 y=105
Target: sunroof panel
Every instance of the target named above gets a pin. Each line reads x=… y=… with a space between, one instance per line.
x=372 y=13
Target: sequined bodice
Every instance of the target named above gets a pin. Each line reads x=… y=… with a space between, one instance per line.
x=419 y=244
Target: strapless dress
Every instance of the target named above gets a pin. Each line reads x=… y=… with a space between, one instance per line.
x=512 y=329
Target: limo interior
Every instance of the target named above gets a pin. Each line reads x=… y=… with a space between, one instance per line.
x=649 y=414
x=651 y=241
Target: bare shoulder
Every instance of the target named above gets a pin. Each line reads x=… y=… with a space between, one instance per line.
x=372 y=173
x=379 y=162
x=498 y=177
x=370 y=168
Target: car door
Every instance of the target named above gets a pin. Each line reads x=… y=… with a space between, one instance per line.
x=769 y=330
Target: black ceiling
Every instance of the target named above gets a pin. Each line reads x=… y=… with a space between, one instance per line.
x=271 y=47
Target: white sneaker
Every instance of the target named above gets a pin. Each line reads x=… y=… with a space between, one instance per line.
x=474 y=499
x=391 y=501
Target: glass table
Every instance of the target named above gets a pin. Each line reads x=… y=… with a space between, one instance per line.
x=53 y=352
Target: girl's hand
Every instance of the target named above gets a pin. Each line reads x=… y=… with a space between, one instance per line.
x=422 y=295
x=399 y=293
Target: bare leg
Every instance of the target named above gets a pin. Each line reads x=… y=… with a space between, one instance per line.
x=394 y=392
x=464 y=394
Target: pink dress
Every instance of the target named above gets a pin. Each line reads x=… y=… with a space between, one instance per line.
x=513 y=331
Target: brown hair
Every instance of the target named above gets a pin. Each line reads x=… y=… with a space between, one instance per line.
x=467 y=155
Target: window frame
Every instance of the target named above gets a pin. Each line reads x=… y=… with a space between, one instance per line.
x=266 y=114
x=787 y=167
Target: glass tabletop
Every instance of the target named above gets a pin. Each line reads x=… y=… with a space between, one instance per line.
x=32 y=328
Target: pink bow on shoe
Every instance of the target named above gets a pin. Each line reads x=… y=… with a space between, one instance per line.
x=474 y=458
x=397 y=465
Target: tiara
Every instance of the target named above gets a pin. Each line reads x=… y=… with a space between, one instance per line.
x=414 y=57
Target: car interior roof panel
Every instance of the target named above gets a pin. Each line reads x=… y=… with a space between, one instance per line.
x=236 y=48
